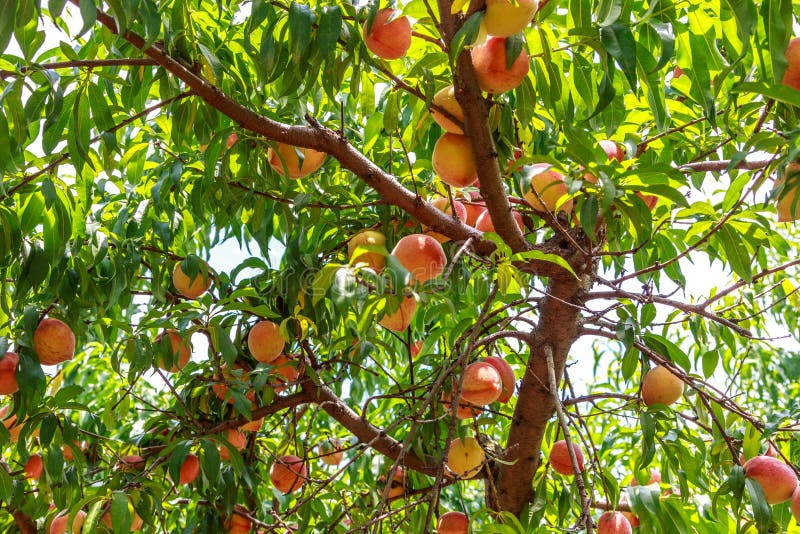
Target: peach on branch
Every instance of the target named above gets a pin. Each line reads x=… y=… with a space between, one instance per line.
x=491 y=66
x=131 y=462
x=374 y=260
x=10 y=423
x=388 y=39
x=655 y=478
x=330 y=451
x=288 y=474
x=771 y=451
x=59 y=524
x=506 y=376
x=398 y=486
x=786 y=190
x=482 y=384
x=236 y=439
x=53 y=341
x=399 y=319
x=190 y=468
x=415 y=348
x=547 y=185
x=285 y=159
x=650 y=200
x=181 y=351
x=777 y=479
x=504 y=18
x=193 y=287
x=446 y=99
x=612 y=149
x=465 y=457
x=238 y=523
x=465 y=410
x=265 y=341
x=613 y=523
x=453 y=160
x=474 y=212
x=136 y=521
x=485 y=223
x=560 y=460
x=284 y=371
x=220 y=388
x=443 y=204
x=661 y=387
x=453 y=523
x=33 y=467
x=67 y=452
x=791 y=76
x=421 y=255
x=8 y=374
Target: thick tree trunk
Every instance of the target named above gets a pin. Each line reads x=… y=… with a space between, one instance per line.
x=558 y=327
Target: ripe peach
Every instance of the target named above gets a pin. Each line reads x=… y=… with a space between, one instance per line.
x=265 y=341
x=398 y=485
x=791 y=77
x=632 y=519
x=777 y=479
x=11 y=424
x=613 y=523
x=59 y=524
x=474 y=212
x=8 y=374
x=132 y=462
x=237 y=440
x=191 y=288
x=560 y=460
x=399 y=319
x=612 y=149
x=220 y=388
x=421 y=255
x=33 y=467
x=677 y=72
x=491 y=66
x=446 y=99
x=549 y=185
x=53 y=341
x=650 y=200
x=795 y=504
x=388 y=40
x=443 y=204
x=482 y=384
x=660 y=386
x=453 y=160
x=66 y=450
x=330 y=451
x=289 y=156
x=655 y=478
x=252 y=426
x=787 y=199
x=238 y=523
x=374 y=260
x=284 y=371
x=453 y=523
x=485 y=223
x=506 y=376
x=415 y=348
x=181 y=351
x=465 y=409
x=190 y=468
x=136 y=521
x=232 y=138
x=504 y=19
x=465 y=457
x=288 y=474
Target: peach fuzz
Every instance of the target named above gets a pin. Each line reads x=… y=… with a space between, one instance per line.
x=33 y=467
x=465 y=457
x=560 y=460
x=59 y=524
x=388 y=39
x=446 y=99
x=549 y=185
x=661 y=387
x=194 y=287
x=8 y=374
x=453 y=523
x=791 y=76
x=490 y=64
x=453 y=160
x=613 y=523
x=421 y=255
x=290 y=155
x=374 y=260
x=288 y=474
x=190 y=468
x=482 y=384
x=265 y=341
x=787 y=198
x=399 y=319
x=485 y=223
x=506 y=376
x=504 y=19
x=777 y=479
x=181 y=351
x=53 y=341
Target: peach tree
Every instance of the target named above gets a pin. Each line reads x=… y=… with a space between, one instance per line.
x=275 y=266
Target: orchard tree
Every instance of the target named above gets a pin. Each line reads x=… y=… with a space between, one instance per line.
x=505 y=266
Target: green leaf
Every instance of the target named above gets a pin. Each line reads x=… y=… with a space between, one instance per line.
x=537 y=255
x=618 y=41
x=330 y=27
x=761 y=509
x=465 y=35
x=301 y=19
x=736 y=252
